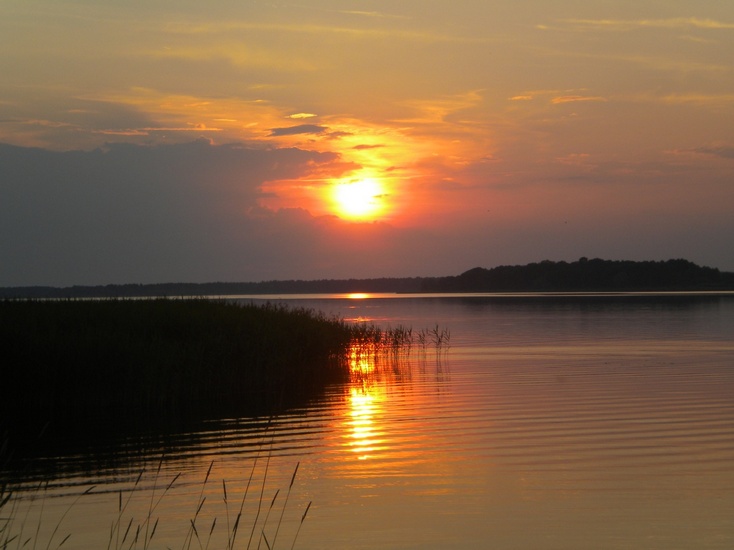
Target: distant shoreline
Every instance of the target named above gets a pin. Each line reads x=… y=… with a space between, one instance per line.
x=583 y=275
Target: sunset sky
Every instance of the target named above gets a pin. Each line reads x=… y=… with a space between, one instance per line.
x=147 y=141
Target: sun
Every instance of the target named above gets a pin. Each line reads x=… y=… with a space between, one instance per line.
x=359 y=199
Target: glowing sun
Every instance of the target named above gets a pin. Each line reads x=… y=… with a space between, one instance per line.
x=358 y=199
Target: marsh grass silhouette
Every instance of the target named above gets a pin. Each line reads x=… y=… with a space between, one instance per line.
x=121 y=366
x=85 y=372
x=18 y=529
x=156 y=361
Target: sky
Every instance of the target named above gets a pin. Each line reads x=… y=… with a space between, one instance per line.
x=151 y=141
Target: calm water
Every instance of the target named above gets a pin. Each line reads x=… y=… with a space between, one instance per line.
x=549 y=423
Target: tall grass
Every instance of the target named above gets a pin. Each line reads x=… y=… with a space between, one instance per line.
x=84 y=372
x=153 y=364
x=375 y=352
x=18 y=530
x=117 y=366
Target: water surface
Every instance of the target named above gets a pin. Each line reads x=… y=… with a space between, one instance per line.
x=550 y=422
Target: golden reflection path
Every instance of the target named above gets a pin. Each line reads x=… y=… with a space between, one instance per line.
x=366 y=401
x=365 y=404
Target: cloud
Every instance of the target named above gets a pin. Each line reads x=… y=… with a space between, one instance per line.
x=46 y=123
x=364 y=146
x=235 y=28
x=300 y=129
x=375 y=14
x=77 y=122
x=302 y=115
x=723 y=151
x=574 y=159
x=671 y=23
x=558 y=96
x=700 y=99
x=149 y=130
x=194 y=212
x=576 y=98
x=136 y=213
x=189 y=212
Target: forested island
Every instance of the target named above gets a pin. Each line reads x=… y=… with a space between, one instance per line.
x=583 y=275
x=587 y=275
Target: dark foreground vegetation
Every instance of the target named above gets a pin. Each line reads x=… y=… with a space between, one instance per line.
x=82 y=371
x=584 y=275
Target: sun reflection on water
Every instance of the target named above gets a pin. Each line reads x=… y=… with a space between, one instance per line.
x=382 y=375
x=365 y=404
x=361 y=360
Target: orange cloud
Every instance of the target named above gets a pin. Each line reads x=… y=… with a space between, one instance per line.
x=574 y=98
x=302 y=115
x=671 y=23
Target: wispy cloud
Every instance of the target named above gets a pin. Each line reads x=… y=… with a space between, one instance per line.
x=558 y=97
x=576 y=98
x=436 y=110
x=149 y=130
x=575 y=159
x=300 y=129
x=364 y=146
x=721 y=151
x=671 y=23
x=359 y=13
x=44 y=122
x=700 y=99
x=302 y=115
x=377 y=14
x=222 y=28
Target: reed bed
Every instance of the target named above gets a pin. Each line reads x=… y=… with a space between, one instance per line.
x=81 y=372
x=376 y=353
x=119 y=365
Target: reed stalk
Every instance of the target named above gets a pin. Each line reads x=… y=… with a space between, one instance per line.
x=127 y=533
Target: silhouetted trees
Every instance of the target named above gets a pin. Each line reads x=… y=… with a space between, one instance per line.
x=586 y=275
x=582 y=275
x=407 y=284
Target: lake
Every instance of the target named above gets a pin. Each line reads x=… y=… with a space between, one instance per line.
x=540 y=422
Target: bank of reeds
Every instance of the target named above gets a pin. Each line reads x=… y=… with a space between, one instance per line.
x=83 y=372
x=376 y=352
x=99 y=367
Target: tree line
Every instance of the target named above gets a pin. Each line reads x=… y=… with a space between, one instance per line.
x=582 y=275
x=585 y=275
